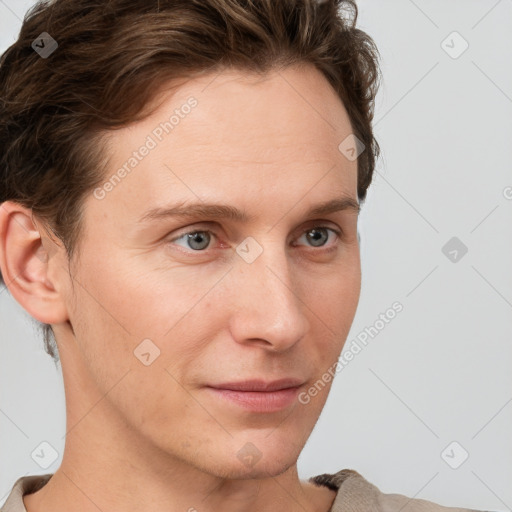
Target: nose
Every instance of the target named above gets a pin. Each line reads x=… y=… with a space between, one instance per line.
x=268 y=304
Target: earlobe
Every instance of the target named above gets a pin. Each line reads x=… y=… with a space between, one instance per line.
x=24 y=263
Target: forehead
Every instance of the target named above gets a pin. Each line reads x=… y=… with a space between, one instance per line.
x=227 y=132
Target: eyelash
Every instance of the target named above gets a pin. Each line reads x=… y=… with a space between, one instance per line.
x=338 y=234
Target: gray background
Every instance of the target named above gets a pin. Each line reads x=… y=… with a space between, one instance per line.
x=440 y=371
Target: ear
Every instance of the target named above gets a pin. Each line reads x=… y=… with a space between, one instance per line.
x=25 y=264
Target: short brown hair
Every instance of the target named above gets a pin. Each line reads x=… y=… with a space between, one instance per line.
x=112 y=57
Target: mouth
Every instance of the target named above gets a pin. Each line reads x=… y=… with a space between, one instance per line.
x=258 y=395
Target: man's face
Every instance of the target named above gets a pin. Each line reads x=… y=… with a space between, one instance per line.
x=267 y=298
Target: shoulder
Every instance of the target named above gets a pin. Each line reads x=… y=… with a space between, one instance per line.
x=354 y=492
x=24 y=485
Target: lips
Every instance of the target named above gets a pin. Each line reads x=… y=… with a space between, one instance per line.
x=259 y=385
x=257 y=396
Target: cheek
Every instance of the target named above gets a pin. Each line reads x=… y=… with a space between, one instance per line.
x=334 y=296
x=333 y=303
x=119 y=304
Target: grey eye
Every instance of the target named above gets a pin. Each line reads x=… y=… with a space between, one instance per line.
x=196 y=240
x=318 y=236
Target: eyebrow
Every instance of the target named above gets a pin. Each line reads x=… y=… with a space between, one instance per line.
x=224 y=211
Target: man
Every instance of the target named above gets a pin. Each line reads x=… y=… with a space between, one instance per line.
x=179 y=207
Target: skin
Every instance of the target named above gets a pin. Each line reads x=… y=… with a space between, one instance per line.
x=152 y=438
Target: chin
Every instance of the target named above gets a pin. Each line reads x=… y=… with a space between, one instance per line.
x=264 y=457
x=271 y=467
x=243 y=459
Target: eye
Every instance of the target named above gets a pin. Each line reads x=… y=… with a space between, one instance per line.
x=319 y=235
x=196 y=240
